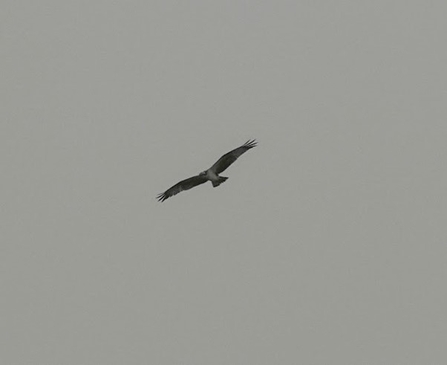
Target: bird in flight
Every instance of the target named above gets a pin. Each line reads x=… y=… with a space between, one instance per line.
x=212 y=174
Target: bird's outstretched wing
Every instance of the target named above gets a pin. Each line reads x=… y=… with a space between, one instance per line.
x=182 y=185
x=227 y=159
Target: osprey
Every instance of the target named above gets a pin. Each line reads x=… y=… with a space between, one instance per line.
x=212 y=174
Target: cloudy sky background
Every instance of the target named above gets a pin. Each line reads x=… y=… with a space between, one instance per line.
x=327 y=245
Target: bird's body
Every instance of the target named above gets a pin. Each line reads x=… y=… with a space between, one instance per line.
x=215 y=179
x=212 y=174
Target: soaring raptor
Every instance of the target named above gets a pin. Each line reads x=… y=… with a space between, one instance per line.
x=212 y=174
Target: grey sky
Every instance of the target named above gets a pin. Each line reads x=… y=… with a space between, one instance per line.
x=327 y=245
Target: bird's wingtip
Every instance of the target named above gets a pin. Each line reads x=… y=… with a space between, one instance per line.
x=251 y=143
x=161 y=197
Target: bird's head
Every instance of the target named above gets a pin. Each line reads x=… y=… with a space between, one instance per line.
x=203 y=173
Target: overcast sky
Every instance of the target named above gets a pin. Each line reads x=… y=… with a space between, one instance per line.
x=327 y=245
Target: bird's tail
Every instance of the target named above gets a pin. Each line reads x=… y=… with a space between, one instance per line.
x=220 y=181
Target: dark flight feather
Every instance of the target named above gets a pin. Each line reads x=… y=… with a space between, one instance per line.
x=227 y=159
x=182 y=185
